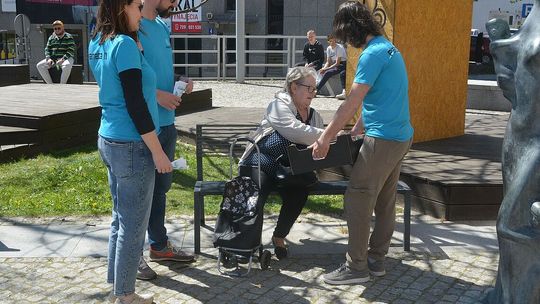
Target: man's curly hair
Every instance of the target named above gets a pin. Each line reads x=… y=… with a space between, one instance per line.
x=353 y=22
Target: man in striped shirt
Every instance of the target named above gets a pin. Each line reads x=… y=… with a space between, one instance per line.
x=59 y=53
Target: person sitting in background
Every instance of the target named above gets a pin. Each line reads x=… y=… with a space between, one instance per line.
x=336 y=63
x=59 y=52
x=288 y=119
x=313 y=52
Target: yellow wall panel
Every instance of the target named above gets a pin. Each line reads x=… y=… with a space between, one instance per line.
x=434 y=38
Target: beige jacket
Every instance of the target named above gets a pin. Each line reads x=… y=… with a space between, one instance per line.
x=280 y=116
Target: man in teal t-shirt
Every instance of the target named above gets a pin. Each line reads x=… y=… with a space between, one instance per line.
x=155 y=39
x=380 y=89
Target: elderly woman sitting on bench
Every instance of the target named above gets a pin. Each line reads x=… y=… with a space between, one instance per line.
x=289 y=119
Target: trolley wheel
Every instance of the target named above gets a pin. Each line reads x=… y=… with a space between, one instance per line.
x=227 y=260
x=265 y=259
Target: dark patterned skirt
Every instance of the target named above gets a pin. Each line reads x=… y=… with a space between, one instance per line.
x=273 y=148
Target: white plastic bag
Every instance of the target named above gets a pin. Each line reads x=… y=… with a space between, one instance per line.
x=179 y=88
x=180 y=164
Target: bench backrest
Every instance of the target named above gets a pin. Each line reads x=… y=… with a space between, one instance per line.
x=215 y=140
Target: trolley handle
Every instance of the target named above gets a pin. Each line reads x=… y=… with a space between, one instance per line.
x=231 y=155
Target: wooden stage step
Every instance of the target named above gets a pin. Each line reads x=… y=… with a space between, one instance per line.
x=36 y=118
x=459 y=178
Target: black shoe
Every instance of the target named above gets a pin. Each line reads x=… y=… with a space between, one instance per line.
x=279 y=251
x=144 y=272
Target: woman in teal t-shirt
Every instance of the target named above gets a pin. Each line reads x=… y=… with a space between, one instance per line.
x=127 y=142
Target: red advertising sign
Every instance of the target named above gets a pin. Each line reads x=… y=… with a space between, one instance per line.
x=188 y=22
x=64 y=2
x=186 y=27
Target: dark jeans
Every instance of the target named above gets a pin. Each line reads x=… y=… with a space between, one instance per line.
x=157 y=233
x=294 y=199
x=341 y=69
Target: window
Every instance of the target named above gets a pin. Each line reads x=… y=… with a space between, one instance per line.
x=231 y=5
x=7 y=47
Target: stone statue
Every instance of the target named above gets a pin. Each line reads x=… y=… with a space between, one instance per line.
x=517 y=64
x=535 y=213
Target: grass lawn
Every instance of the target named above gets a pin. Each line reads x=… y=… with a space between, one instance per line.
x=74 y=182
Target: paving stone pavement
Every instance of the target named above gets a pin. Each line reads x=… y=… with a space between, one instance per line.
x=411 y=278
x=449 y=262
x=62 y=260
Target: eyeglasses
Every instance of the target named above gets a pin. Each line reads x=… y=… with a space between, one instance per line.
x=310 y=89
x=57 y=28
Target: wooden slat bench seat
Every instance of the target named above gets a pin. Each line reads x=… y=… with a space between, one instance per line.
x=215 y=139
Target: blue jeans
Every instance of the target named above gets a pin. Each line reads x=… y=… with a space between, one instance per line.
x=157 y=233
x=131 y=174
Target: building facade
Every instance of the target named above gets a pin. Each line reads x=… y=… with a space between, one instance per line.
x=514 y=11
x=7 y=31
x=213 y=24
x=263 y=18
x=214 y=18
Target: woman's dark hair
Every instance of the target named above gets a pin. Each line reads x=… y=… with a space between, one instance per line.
x=353 y=22
x=113 y=20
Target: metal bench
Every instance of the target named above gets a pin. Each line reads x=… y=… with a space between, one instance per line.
x=215 y=139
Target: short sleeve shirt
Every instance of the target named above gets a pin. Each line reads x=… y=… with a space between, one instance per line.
x=339 y=51
x=155 y=39
x=385 y=110
x=107 y=61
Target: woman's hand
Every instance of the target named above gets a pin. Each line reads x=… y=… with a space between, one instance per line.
x=189 y=87
x=162 y=162
x=320 y=149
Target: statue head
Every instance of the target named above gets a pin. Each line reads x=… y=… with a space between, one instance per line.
x=504 y=52
x=498 y=29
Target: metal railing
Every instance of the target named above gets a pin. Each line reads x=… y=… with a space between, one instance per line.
x=9 y=61
x=215 y=55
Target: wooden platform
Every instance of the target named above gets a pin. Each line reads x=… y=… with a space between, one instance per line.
x=459 y=178
x=36 y=118
x=455 y=179
x=12 y=74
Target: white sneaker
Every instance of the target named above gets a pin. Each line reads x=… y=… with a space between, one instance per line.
x=345 y=275
x=138 y=299
x=342 y=96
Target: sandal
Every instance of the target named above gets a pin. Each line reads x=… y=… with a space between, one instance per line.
x=279 y=251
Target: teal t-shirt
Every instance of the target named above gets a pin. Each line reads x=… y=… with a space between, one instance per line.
x=386 y=106
x=106 y=62
x=155 y=39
